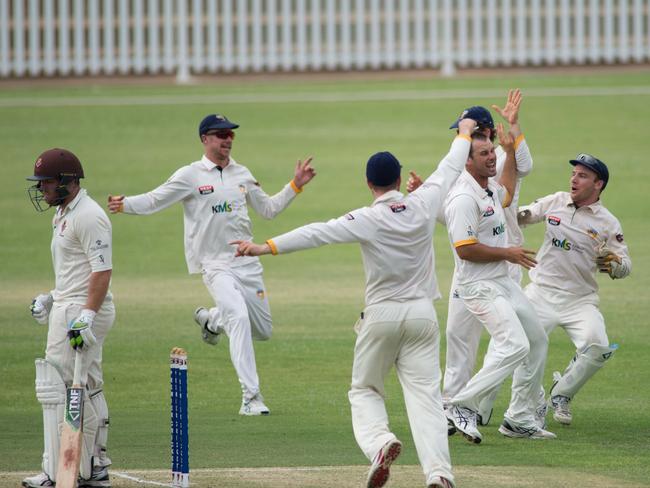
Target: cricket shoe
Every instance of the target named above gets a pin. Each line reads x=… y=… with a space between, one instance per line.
x=561 y=412
x=38 y=481
x=465 y=421
x=254 y=406
x=440 y=482
x=517 y=432
x=202 y=317
x=99 y=479
x=380 y=467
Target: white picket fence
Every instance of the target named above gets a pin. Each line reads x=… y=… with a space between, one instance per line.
x=93 y=37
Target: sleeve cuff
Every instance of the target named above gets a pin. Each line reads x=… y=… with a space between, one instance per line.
x=294 y=187
x=465 y=242
x=507 y=200
x=271 y=244
x=463 y=136
x=518 y=140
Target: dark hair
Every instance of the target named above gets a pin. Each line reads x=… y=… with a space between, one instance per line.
x=477 y=136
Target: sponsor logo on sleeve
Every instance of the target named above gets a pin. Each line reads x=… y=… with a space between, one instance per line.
x=242 y=188
x=98 y=245
x=261 y=294
x=619 y=237
x=397 y=207
x=488 y=211
x=206 y=189
x=470 y=231
x=553 y=220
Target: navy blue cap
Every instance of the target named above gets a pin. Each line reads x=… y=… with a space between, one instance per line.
x=215 y=121
x=594 y=164
x=383 y=169
x=481 y=115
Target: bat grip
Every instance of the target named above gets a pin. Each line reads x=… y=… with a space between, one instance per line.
x=78 y=363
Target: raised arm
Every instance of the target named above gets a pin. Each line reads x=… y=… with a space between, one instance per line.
x=508 y=178
x=270 y=206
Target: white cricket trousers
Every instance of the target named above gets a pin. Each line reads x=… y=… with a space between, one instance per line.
x=518 y=344
x=579 y=316
x=404 y=335
x=242 y=311
x=463 y=335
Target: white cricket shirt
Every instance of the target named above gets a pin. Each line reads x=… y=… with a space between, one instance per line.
x=81 y=245
x=567 y=258
x=395 y=234
x=473 y=215
x=215 y=210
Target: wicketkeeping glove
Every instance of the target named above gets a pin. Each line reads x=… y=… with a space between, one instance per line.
x=609 y=262
x=80 y=332
x=40 y=308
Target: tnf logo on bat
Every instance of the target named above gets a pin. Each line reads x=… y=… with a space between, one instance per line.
x=206 y=189
x=488 y=211
x=553 y=220
x=397 y=207
x=73 y=413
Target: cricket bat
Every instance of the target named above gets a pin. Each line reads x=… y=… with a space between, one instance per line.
x=72 y=431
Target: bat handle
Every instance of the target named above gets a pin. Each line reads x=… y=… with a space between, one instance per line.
x=78 y=363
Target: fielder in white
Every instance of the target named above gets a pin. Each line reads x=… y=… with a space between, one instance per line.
x=79 y=312
x=476 y=223
x=581 y=237
x=215 y=192
x=398 y=326
x=463 y=331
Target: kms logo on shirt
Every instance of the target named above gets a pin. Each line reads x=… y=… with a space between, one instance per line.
x=562 y=244
x=222 y=208
x=499 y=229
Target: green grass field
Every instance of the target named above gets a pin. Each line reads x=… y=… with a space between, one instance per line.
x=131 y=138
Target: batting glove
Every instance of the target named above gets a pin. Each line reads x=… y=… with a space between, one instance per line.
x=40 y=308
x=80 y=332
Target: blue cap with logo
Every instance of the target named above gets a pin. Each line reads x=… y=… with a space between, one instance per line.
x=481 y=115
x=594 y=164
x=383 y=169
x=215 y=121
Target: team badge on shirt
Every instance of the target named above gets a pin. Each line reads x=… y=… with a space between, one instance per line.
x=619 y=237
x=397 y=207
x=593 y=233
x=553 y=220
x=206 y=189
x=488 y=211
